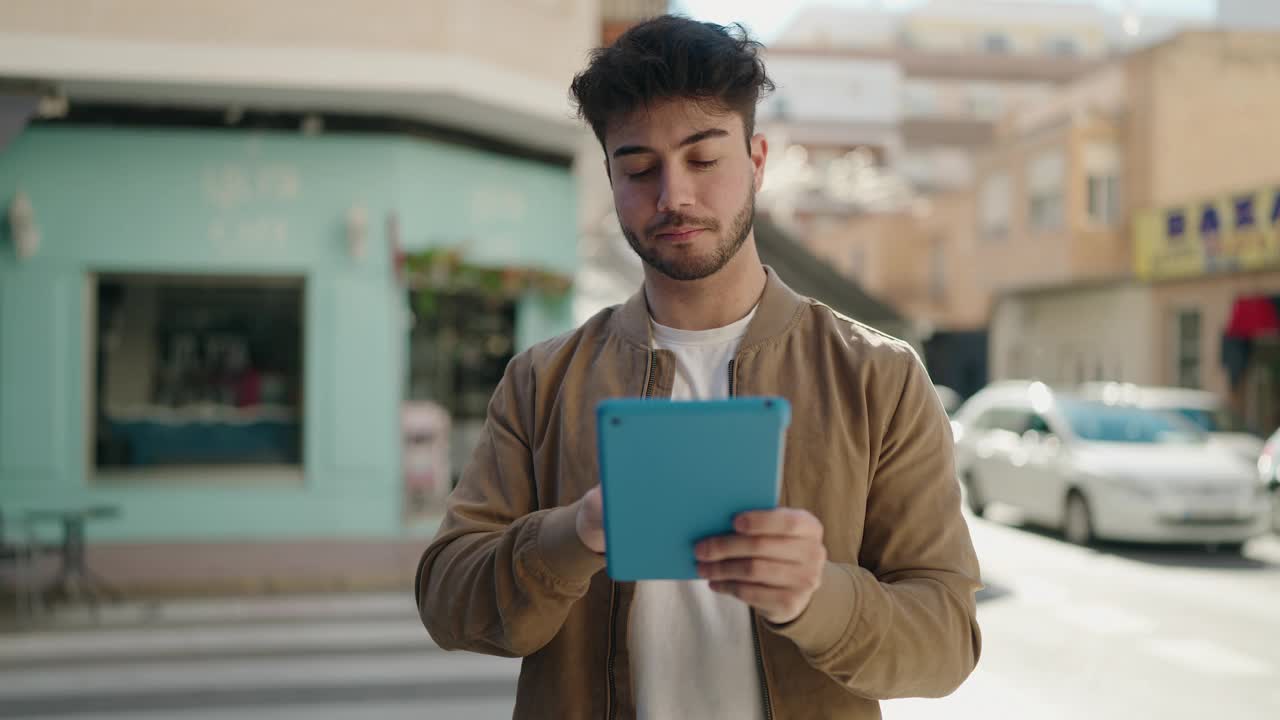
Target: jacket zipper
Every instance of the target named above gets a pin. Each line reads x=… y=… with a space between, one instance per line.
x=764 y=678
x=613 y=645
x=755 y=627
x=653 y=375
x=612 y=705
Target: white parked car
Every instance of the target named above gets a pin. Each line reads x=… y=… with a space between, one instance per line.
x=1269 y=474
x=1201 y=407
x=1104 y=471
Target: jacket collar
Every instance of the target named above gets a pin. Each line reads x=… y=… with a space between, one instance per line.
x=776 y=311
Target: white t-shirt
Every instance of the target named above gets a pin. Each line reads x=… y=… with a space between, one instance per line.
x=692 y=650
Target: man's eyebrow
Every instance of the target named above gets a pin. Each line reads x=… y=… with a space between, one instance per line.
x=691 y=140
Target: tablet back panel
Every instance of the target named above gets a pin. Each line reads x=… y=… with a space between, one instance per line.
x=673 y=473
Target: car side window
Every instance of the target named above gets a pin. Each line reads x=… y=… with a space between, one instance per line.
x=987 y=419
x=1014 y=421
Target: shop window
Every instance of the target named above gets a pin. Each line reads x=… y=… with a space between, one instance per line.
x=197 y=372
x=1187 y=338
x=459 y=349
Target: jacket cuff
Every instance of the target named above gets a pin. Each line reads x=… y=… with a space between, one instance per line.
x=822 y=625
x=562 y=550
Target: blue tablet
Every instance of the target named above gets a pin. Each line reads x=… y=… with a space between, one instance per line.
x=674 y=473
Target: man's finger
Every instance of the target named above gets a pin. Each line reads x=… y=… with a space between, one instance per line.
x=781 y=521
x=727 y=547
x=771 y=573
x=772 y=603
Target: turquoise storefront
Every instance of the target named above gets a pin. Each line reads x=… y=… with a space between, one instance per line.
x=304 y=223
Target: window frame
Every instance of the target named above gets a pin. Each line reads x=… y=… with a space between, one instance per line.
x=1039 y=194
x=1001 y=180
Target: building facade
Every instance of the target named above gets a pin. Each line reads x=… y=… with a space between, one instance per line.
x=208 y=298
x=1163 y=194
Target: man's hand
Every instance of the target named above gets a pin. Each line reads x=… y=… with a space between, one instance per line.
x=590 y=520
x=773 y=562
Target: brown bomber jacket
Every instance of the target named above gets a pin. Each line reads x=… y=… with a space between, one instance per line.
x=869 y=452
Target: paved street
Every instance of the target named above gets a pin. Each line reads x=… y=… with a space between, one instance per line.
x=1116 y=633
x=1119 y=633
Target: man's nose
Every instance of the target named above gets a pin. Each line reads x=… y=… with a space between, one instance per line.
x=677 y=191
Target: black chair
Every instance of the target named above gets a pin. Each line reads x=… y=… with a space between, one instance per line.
x=20 y=554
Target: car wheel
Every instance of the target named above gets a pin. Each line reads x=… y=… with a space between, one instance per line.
x=1077 y=520
x=973 y=495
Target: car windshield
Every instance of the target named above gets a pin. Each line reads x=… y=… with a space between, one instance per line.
x=1213 y=421
x=1098 y=422
x=1206 y=420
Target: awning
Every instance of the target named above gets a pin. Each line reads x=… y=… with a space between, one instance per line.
x=1251 y=317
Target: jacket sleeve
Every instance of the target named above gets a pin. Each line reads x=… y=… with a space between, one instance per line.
x=501 y=574
x=903 y=621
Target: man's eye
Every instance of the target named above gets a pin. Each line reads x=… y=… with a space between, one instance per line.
x=703 y=164
x=634 y=174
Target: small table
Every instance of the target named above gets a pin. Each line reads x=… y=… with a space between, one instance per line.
x=74 y=579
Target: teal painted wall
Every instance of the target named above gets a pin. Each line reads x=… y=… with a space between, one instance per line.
x=237 y=202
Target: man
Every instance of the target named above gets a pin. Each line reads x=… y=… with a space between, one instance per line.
x=860 y=587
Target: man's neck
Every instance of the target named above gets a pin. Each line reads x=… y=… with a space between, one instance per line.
x=712 y=302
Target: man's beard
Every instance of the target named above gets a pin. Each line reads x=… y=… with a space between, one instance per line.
x=696 y=268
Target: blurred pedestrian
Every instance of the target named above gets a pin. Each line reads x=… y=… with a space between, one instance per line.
x=860 y=588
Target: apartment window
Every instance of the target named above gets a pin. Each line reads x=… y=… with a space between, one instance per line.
x=1062 y=46
x=1102 y=176
x=920 y=99
x=1187 y=350
x=938 y=270
x=1045 y=173
x=1104 y=199
x=995 y=206
x=197 y=372
x=997 y=43
x=985 y=101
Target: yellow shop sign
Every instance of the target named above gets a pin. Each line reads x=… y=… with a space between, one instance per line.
x=1226 y=234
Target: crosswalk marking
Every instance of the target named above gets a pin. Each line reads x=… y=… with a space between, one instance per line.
x=192 y=640
x=245 y=674
x=495 y=709
x=1106 y=620
x=1209 y=658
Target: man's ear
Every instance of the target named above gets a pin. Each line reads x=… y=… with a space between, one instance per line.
x=759 y=154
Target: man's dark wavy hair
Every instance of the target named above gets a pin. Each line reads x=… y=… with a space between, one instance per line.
x=673 y=57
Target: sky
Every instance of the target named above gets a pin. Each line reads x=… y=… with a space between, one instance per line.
x=765 y=18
